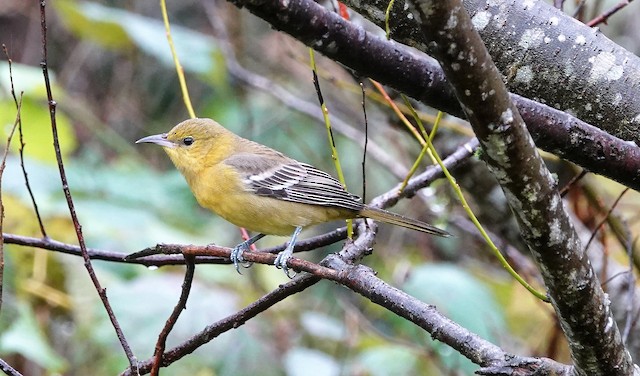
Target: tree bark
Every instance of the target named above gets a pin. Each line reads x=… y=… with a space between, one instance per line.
x=545 y=55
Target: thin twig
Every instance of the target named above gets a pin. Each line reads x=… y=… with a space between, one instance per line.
x=631 y=283
x=366 y=142
x=572 y=182
x=578 y=13
x=327 y=122
x=603 y=220
x=233 y=321
x=176 y=61
x=22 y=145
x=173 y=318
x=605 y=16
x=173 y=259
x=2 y=166
x=67 y=193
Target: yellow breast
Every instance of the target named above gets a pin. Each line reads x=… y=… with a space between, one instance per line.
x=226 y=196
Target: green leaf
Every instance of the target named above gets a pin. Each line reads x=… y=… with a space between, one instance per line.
x=26 y=79
x=116 y=28
x=88 y=23
x=36 y=126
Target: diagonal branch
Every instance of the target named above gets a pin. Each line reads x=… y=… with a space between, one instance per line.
x=22 y=146
x=3 y=162
x=582 y=308
x=173 y=318
x=545 y=55
x=420 y=77
x=231 y=322
x=363 y=281
x=67 y=193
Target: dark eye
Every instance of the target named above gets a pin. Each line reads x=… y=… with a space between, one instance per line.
x=187 y=140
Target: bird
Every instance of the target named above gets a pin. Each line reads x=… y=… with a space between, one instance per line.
x=261 y=189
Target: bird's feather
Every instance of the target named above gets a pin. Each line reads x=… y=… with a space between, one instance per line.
x=289 y=180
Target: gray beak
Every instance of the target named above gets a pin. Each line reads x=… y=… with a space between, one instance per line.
x=158 y=139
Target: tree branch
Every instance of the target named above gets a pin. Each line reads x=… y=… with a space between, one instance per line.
x=583 y=311
x=545 y=55
x=362 y=279
x=422 y=78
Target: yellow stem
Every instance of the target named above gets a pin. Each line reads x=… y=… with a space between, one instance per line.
x=494 y=249
x=332 y=144
x=176 y=61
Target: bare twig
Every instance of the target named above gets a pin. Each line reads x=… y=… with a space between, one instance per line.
x=67 y=193
x=2 y=166
x=21 y=148
x=174 y=258
x=604 y=17
x=362 y=279
x=572 y=182
x=631 y=282
x=294 y=286
x=604 y=219
x=173 y=318
x=366 y=141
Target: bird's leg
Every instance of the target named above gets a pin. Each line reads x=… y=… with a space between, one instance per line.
x=284 y=256
x=236 y=254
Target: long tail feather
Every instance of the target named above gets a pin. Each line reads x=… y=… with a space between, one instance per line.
x=399 y=220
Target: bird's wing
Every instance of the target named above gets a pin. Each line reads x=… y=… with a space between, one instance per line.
x=289 y=180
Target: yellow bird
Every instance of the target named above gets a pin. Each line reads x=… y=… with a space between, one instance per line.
x=261 y=189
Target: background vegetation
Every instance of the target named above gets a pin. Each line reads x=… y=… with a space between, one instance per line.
x=115 y=82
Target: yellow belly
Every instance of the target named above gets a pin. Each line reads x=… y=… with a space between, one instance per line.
x=257 y=213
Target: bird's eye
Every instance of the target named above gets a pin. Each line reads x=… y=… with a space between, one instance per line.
x=187 y=140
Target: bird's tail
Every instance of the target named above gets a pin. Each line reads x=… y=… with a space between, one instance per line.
x=399 y=220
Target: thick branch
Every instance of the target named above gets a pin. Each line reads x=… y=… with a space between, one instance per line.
x=594 y=340
x=545 y=55
x=422 y=78
x=363 y=280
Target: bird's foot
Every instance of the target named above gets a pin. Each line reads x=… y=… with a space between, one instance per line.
x=238 y=250
x=284 y=256
x=282 y=259
x=236 y=256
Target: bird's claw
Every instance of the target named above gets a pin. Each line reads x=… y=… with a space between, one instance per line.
x=281 y=261
x=236 y=257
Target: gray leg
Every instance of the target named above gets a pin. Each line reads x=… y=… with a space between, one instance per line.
x=284 y=256
x=236 y=254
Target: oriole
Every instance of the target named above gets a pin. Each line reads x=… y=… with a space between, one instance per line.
x=261 y=189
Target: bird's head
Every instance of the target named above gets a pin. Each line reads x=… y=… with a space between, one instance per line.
x=194 y=144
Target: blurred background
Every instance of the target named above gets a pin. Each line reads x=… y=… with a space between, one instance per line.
x=115 y=82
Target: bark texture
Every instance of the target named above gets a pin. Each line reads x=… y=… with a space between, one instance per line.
x=545 y=55
x=580 y=303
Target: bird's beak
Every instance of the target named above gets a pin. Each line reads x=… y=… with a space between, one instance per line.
x=158 y=139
